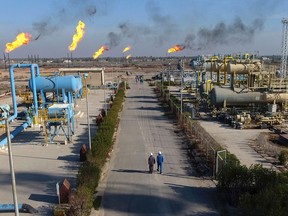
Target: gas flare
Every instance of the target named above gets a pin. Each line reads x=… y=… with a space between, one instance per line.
x=127 y=49
x=77 y=36
x=176 y=48
x=128 y=56
x=22 y=38
x=100 y=51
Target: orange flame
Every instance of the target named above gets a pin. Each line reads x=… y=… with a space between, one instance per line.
x=128 y=56
x=127 y=49
x=176 y=48
x=100 y=51
x=77 y=36
x=22 y=38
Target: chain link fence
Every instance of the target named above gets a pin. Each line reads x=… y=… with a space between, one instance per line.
x=203 y=149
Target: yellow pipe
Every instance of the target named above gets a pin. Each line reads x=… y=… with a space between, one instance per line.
x=210 y=86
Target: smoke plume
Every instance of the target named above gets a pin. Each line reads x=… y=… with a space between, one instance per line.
x=224 y=34
x=113 y=39
x=69 y=13
x=160 y=30
x=163 y=25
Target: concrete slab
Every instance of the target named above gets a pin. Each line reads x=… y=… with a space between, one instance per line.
x=237 y=141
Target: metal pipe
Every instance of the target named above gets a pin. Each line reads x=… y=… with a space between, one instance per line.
x=9 y=207
x=13 y=89
x=14 y=102
x=35 y=100
x=15 y=132
x=220 y=67
x=12 y=168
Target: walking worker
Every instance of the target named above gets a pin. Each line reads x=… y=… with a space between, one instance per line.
x=160 y=160
x=151 y=162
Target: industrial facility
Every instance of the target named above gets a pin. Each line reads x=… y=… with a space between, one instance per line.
x=62 y=116
x=48 y=102
x=244 y=89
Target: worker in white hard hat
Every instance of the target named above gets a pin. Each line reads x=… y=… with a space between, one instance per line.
x=151 y=162
x=160 y=160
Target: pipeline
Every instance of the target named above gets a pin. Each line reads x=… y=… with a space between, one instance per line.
x=15 y=132
x=25 y=208
x=13 y=89
x=14 y=102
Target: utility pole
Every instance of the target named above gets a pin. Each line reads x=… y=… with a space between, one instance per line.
x=182 y=77
x=87 y=108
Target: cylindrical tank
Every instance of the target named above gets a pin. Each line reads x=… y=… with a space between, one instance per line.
x=51 y=84
x=243 y=68
x=219 y=95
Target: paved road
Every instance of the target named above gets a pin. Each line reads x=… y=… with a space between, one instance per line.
x=129 y=189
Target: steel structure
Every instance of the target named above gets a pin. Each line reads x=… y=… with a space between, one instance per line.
x=284 y=48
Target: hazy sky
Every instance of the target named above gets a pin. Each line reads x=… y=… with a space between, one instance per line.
x=151 y=27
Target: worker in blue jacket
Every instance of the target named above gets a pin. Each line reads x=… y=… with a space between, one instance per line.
x=160 y=160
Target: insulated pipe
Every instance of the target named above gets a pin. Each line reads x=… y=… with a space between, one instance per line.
x=15 y=132
x=25 y=208
x=278 y=97
x=208 y=66
x=243 y=68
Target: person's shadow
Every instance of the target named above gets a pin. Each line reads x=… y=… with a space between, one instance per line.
x=131 y=171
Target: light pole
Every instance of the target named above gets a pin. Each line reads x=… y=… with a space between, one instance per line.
x=87 y=109
x=105 y=104
x=181 y=94
x=169 y=70
x=12 y=168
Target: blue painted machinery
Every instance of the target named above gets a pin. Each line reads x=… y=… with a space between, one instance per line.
x=60 y=117
x=10 y=118
x=53 y=102
x=64 y=87
x=57 y=114
x=58 y=109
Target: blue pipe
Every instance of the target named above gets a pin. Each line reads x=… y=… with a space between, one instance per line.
x=13 y=90
x=9 y=207
x=22 y=208
x=14 y=102
x=32 y=67
x=15 y=132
